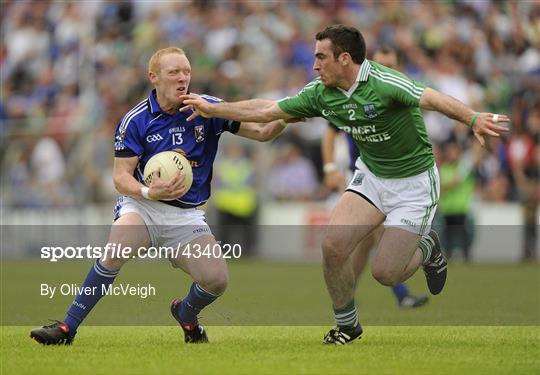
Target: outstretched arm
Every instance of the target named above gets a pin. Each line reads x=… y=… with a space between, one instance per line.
x=261 y=132
x=265 y=132
x=254 y=110
x=483 y=123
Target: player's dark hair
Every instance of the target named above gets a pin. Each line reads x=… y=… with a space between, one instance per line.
x=345 y=39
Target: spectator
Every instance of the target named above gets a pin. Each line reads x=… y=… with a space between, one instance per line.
x=457 y=189
x=63 y=62
x=293 y=176
x=235 y=197
x=48 y=169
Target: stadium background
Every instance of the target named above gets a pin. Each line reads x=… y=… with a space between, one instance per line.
x=70 y=70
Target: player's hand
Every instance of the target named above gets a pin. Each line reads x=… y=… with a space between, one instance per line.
x=200 y=106
x=166 y=191
x=489 y=124
x=334 y=180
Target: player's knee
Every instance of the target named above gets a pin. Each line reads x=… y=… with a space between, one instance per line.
x=215 y=282
x=384 y=276
x=334 y=252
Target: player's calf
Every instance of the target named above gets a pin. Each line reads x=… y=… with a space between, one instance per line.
x=335 y=250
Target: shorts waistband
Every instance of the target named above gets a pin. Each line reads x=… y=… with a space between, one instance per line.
x=173 y=206
x=178 y=204
x=361 y=165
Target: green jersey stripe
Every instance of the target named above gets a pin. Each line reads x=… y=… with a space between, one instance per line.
x=397 y=83
x=364 y=73
x=409 y=85
x=398 y=78
x=393 y=83
x=400 y=81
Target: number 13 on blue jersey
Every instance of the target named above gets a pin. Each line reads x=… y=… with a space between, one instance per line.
x=177 y=139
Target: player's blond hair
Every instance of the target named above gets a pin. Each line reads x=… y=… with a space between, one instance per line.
x=155 y=60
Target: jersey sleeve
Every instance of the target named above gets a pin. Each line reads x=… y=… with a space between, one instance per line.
x=400 y=88
x=221 y=125
x=127 y=140
x=303 y=104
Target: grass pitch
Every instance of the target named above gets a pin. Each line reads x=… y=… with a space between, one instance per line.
x=272 y=320
x=278 y=350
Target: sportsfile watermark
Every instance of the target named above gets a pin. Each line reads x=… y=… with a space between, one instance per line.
x=118 y=251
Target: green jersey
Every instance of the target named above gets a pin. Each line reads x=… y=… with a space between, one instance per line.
x=381 y=112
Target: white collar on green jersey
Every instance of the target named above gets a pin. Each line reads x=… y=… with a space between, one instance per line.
x=363 y=74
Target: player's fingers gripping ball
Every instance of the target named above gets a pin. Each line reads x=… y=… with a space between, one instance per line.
x=169 y=163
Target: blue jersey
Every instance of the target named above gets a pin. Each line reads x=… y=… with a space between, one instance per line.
x=145 y=131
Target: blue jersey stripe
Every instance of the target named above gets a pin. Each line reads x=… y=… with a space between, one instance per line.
x=129 y=115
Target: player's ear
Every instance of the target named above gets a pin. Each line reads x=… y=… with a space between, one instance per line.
x=152 y=77
x=344 y=58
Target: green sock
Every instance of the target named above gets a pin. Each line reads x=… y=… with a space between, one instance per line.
x=346 y=316
x=425 y=246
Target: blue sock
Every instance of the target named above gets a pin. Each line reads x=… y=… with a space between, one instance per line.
x=98 y=278
x=196 y=300
x=400 y=291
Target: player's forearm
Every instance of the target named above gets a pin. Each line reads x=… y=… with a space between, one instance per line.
x=272 y=130
x=333 y=179
x=126 y=184
x=327 y=149
x=254 y=110
x=261 y=132
x=433 y=100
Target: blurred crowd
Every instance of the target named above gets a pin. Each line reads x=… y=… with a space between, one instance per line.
x=70 y=70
